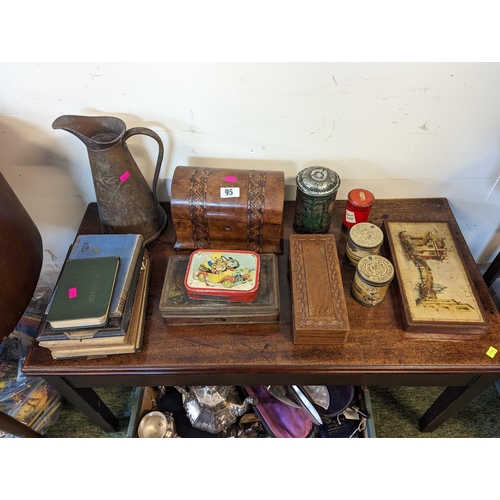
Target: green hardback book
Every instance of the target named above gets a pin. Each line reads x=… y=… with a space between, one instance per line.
x=83 y=295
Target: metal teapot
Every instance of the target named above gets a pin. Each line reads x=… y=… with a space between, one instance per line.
x=213 y=408
x=125 y=202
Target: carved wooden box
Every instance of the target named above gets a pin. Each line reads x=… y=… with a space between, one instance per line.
x=228 y=208
x=318 y=300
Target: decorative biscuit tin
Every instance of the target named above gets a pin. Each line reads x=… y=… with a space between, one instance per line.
x=359 y=203
x=231 y=275
x=363 y=239
x=178 y=309
x=228 y=208
x=374 y=274
x=316 y=192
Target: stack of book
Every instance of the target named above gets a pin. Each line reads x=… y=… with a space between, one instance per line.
x=98 y=307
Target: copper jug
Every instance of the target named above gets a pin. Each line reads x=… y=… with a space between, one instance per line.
x=126 y=203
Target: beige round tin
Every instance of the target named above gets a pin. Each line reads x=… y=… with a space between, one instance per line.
x=374 y=274
x=363 y=239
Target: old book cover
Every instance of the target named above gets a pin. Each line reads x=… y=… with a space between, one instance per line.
x=126 y=246
x=39 y=397
x=115 y=327
x=83 y=294
x=128 y=344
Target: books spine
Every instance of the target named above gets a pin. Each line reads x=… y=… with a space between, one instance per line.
x=128 y=280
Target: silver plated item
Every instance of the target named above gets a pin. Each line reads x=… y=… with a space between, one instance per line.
x=318 y=394
x=156 y=424
x=213 y=408
x=307 y=406
x=279 y=392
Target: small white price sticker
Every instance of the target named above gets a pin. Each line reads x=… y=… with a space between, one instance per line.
x=229 y=192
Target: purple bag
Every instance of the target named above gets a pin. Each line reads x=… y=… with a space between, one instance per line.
x=279 y=419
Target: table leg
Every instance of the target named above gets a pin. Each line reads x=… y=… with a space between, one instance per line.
x=451 y=401
x=86 y=400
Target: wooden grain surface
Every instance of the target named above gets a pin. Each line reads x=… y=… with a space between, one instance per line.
x=20 y=261
x=319 y=307
x=376 y=353
x=203 y=219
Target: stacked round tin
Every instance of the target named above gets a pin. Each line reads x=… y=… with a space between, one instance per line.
x=363 y=239
x=374 y=274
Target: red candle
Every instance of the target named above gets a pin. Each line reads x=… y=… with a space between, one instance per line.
x=359 y=202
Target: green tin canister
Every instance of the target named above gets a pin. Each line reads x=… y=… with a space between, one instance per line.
x=316 y=192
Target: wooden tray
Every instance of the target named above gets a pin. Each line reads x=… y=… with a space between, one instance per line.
x=437 y=298
x=178 y=309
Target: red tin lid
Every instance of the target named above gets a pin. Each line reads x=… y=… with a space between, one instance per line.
x=361 y=198
x=231 y=275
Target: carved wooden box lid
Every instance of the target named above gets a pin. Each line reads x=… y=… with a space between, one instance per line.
x=319 y=306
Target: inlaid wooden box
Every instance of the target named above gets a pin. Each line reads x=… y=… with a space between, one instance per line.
x=319 y=308
x=228 y=208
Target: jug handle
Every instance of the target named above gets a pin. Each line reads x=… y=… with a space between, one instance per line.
x=156 y=137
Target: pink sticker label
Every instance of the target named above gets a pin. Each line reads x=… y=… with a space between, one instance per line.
x=230 y=178
x=125 y=176
x=72 y=293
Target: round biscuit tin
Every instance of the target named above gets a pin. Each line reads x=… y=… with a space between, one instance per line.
x=374 y=274
x=363 y=239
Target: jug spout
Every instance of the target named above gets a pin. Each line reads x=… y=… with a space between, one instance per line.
x=96 y=132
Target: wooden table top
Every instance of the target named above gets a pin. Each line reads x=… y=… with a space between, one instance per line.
x=376 y=352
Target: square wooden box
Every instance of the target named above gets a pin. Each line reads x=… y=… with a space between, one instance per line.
x=318 y=300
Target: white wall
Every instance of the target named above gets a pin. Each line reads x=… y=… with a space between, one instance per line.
x=397 y=129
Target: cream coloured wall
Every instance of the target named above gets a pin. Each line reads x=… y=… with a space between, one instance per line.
x=398 y=129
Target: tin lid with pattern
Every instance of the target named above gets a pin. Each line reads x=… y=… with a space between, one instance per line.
x=231 y=275
x=366 y=235
x=318 y=181
x=360 y=198
x=375 y=269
